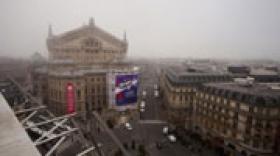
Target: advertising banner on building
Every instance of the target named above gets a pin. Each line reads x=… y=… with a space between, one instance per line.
x=70 y=98
x=123 y=90
x=126 y=89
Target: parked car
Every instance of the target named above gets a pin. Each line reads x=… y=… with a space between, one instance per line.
x=156 y=93
x=165 y=130
x=144 y=93
x=142 y=104
x=172 y=138
x=142 y=110
x=155 y=86
x=128 y=126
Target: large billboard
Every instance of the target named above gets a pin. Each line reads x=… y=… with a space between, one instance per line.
x=126 y=89
x=123 y=90
x=70 y=98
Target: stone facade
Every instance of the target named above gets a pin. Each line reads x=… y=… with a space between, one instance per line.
x=87 y=45
x=240 y=119
x=90 y=90
x=83 y=57
x=179 y=88
x=243 y=119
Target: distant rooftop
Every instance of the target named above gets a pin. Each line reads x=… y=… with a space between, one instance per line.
x=255 y=89
x=262 y=71
x=192 y=75
x=258 y=93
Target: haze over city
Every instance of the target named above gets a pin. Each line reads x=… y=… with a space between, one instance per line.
x=155 y=28
x=140 y=78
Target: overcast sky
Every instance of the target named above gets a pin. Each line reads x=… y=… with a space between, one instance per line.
x=157 y=28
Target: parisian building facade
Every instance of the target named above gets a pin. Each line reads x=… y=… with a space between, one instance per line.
x=179 y=88
x=242 y=119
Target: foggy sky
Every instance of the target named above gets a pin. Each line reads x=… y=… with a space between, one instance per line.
x=155 y=28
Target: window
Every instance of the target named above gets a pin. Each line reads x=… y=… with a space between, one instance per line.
x=59 y=95
x=232 y=104
x=225 y=101
x=79 y=94
x=218 y=99
x=244 y=107
x=265 y=111
x=273 y=112
x=212 y=98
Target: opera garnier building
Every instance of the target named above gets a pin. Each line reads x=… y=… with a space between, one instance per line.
x=76 y=76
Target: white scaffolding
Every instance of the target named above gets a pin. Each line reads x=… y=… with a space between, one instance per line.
x=35 y=117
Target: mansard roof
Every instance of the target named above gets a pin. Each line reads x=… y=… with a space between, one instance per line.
x=182 y=77
x=258 y=94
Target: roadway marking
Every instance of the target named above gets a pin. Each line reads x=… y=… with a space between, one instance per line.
x=152 y=122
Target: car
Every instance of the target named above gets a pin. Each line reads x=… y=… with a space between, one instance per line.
x=144 y=93
x=142 y=110
x=128 y=126
x=156 y=93
x=172 y=138
x=155 y=86
x=142 y=104
x=165 y=130
x=99 y=144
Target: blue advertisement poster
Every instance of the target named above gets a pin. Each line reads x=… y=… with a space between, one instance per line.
x=126 y=89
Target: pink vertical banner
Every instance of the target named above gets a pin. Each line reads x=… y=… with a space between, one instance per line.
x=70 y=98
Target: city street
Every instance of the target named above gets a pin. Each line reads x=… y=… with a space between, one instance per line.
x=147 y=131
x=143 y=134
x=148 y=79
